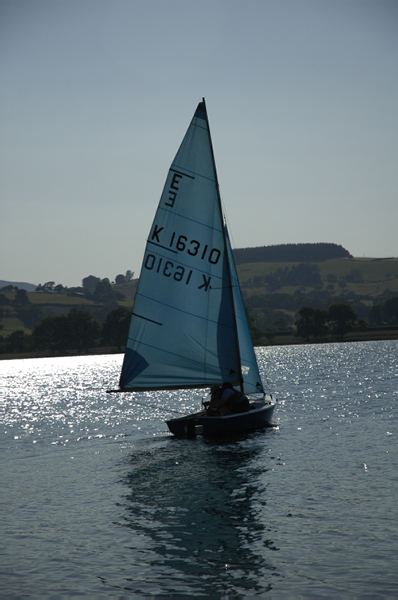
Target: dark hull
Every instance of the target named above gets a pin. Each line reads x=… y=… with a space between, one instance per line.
x=200 y=423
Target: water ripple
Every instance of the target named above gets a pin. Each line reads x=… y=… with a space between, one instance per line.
x=99 y=499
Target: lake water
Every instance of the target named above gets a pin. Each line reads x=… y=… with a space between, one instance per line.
x=98 y=498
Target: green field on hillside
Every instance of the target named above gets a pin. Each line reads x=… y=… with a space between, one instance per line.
x=364 y=276
x=273 y=292
x=43 y=304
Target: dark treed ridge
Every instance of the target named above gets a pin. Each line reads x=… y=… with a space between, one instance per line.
x=290 y=253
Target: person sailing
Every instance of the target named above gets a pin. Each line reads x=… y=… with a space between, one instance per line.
x=226 y=400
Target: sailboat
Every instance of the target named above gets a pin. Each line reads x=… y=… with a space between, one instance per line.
x=188 y=325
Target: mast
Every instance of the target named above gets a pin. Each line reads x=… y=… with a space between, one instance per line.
x=225 y=243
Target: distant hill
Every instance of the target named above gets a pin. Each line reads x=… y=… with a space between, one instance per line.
x=290 y=253
x=22 y=285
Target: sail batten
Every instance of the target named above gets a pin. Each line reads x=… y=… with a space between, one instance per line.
x=187 y=218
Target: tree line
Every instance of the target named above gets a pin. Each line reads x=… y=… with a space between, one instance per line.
x=320 y=320
x=78 y=331
x=340 y=319
x=87 y=283
x=107 y=324
x=337 y=321
x=290 y=253
x=92 y=286
x=304 y=274
x=99 y=291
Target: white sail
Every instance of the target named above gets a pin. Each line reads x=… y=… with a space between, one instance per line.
x=183 y=330
x=251 y=380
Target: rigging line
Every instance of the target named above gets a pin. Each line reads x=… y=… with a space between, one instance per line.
x=224 y=234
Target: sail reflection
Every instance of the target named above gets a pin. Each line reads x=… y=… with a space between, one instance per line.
x=200 y=506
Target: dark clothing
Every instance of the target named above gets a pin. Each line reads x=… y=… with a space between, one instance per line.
x=226 y=400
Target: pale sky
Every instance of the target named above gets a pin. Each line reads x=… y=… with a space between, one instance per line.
x=302 y=97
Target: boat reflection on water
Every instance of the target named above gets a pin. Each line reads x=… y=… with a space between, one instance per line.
x=197 y=511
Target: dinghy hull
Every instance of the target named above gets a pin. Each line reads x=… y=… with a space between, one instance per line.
x=202 y=424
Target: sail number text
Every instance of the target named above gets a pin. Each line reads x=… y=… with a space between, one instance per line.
x=192 y=247
x=176 y=243
x=177 y=272
x=173 y=189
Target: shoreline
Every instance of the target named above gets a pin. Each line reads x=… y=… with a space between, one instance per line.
x=278 y=338
x=287 y=338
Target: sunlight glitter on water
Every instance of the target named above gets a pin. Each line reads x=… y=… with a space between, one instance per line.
x=128 y=509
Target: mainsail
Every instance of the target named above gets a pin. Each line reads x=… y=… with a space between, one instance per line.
x=183 y=331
